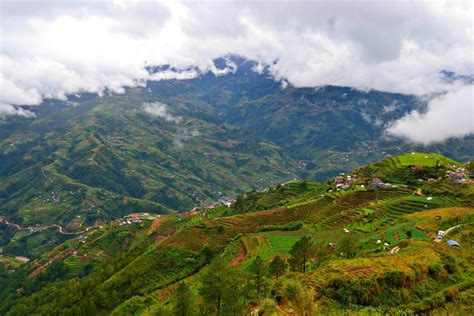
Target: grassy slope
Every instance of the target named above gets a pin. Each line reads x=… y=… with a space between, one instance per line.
x=369 y=215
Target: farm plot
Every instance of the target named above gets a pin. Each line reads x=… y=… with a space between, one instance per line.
x=399 y=232
x=281 y=243
x=74 y=266
x=421 y=159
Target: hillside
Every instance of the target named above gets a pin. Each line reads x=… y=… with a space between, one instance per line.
x=171 y=145
x=367 y=243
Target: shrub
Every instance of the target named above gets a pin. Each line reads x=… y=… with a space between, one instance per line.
x=450 y=294
x=292 y=226
x=434 y=270
x=207 y=230
x=348 y=246
x=361 y=291
x=395 y=279
x=403 y=243
x=450 y=264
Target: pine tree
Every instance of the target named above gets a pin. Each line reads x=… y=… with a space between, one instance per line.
x=348 y=246
x=257 y=270
x=320 y=256
x=278 y=266
x=301 y=252
x=183 y=300
x=222 y=289
x=213 y=285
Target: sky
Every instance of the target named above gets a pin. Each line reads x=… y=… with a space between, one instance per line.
x=50 y=49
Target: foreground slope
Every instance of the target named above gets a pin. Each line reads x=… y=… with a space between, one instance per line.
x=372 y=236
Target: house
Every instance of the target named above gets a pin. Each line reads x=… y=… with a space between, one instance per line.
x=229 y=202
x=376 y=182
x=455 y=176
x=22 y=259
x=441 y=234
x=339 y=180
x=135 y=216
x=453 y=243
x=351 y=180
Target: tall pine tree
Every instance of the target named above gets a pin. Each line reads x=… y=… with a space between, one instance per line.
x=257 y=270
x=277 y=266
x=301 y=252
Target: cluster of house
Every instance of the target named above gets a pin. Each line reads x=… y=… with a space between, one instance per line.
x=198 y=196
x=344 y=182
x=262 y=188
x=225 y=202
x=301 y=164
x=117 y=140
x=137 y=218
x=456 y=177
x=377 y=183
x=53 y=198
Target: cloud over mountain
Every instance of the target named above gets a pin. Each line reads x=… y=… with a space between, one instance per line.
x=51 y=49
x=159 y=109
x=450 y=115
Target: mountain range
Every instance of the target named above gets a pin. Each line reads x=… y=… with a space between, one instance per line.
x=171 y=145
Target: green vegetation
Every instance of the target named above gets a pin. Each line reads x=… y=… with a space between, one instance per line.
x=422 y=159
x=366 y=250
x=67 y=175
x=277 y=266
x=281 y=243
x=301 y=252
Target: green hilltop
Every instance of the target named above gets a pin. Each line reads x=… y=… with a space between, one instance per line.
x=353 y=244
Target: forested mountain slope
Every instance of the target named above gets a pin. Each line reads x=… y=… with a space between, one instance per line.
x=174 y=144
x=365 y=242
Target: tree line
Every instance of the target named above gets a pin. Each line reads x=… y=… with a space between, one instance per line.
x=226 y=290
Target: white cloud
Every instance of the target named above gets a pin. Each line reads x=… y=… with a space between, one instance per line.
x=10 y=93
x=9 y=110
x=448 y=116
x=160 y=110
x=54 y=48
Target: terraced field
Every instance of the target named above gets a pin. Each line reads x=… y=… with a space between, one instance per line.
x=415 y=159
x=74 y=266
x=257 y=245
x=419 y=275
x=282 y=242
x=398 y=232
